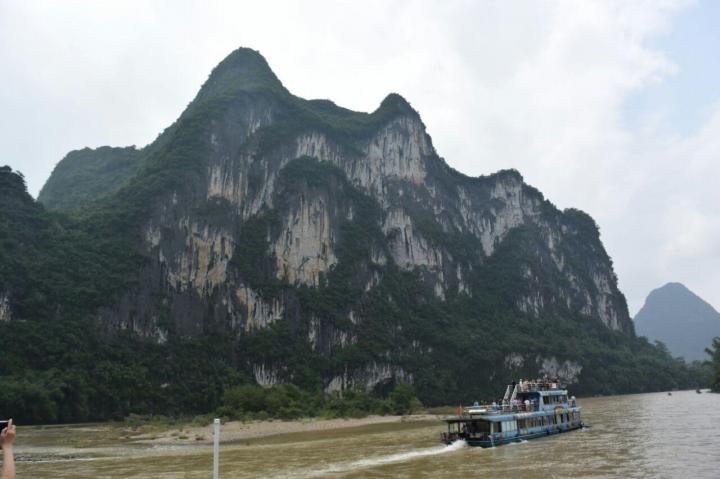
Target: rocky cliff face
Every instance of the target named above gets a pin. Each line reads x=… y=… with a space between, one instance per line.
x=307 y=224
x=5 y=312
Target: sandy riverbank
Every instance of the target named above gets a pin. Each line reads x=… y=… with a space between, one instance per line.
x=236 y=431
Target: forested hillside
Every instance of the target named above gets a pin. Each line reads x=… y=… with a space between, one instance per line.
x=268 y=240
x=85 y=175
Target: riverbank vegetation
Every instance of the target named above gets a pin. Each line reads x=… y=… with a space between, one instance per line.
x=714 y=352
x=286 y=401
x=249 y=402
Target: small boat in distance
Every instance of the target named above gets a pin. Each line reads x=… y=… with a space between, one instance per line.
x=529 y=410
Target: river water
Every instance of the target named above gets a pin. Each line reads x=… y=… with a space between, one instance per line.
x=635 y=436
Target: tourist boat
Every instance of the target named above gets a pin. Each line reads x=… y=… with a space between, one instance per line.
x=529 y=409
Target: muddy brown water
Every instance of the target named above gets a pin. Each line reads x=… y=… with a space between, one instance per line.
x=634 y=436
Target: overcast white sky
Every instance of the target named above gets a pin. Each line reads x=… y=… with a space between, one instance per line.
x=610 y=107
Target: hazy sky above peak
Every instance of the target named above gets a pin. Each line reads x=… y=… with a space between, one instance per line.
x=610 y=107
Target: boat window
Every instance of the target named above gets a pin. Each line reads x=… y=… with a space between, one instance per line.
x=509 y=426
x=481 y=426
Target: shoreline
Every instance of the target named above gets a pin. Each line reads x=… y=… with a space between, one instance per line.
x=238 y=431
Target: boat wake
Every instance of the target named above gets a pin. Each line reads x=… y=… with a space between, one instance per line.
x=391 y=458
x=522 y=441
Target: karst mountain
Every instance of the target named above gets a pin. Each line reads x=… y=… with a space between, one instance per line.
x=270 y=239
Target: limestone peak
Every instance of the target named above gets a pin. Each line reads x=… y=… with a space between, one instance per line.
x=243 y=69
x=397 y=102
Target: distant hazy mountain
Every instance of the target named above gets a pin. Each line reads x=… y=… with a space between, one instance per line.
x=681 y=319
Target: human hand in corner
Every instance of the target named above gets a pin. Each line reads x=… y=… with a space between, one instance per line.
x=6 y=441
x=7 y=436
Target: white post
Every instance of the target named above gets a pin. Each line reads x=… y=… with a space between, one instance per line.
x=216 y=449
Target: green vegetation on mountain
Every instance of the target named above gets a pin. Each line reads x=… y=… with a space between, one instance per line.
x=341 y=125
x=85 y=175
x=63 y=269
x=61 y=366
x=287 y=401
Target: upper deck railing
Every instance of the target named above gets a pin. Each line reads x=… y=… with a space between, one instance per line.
x=539 y=385
x=510 y=403
x=515 y=406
